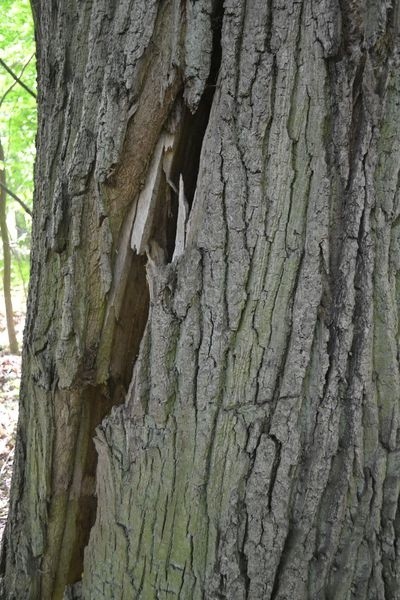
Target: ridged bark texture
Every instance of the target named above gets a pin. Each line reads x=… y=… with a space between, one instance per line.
x=248 y=153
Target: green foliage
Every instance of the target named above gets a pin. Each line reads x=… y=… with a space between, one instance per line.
x=18 y=115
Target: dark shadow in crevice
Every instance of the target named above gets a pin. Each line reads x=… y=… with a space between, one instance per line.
x=130 y=326
x=163 y=229
x=185 y=163
x=99 y=400
x=187 y=153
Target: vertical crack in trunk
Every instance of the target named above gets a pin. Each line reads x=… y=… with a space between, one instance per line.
x=130 y=322
x=186 y=158
x=175 y=171
x=154 y=226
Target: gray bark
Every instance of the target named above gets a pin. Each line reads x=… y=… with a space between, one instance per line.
x=214 y=291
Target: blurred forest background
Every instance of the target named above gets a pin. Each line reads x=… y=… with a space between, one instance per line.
x=17 y=152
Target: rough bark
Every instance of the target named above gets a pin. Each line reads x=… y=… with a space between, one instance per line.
x=246 y=156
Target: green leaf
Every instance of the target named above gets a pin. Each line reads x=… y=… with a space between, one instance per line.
x=18 y=113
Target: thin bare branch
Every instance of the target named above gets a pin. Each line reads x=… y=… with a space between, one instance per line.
x=12 y=86
x=17 y=79
x=16 y=198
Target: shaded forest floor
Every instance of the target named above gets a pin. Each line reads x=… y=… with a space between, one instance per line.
x=10 y=373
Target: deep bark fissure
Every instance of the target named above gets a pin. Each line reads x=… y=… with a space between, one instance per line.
x=188 y=149
x=184 y=169
x=98 y=400
x=163 y=233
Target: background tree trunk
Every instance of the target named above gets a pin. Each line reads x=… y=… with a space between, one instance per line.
x=246 y=154
x=12 y=337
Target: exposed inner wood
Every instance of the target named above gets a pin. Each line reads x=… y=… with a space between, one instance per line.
x=159 y=217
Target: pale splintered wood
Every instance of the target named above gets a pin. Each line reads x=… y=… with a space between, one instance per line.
x=183 y=212
x=147 y=202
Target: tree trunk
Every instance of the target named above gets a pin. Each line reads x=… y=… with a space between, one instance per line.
x=245 y=156
x=5 y=240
